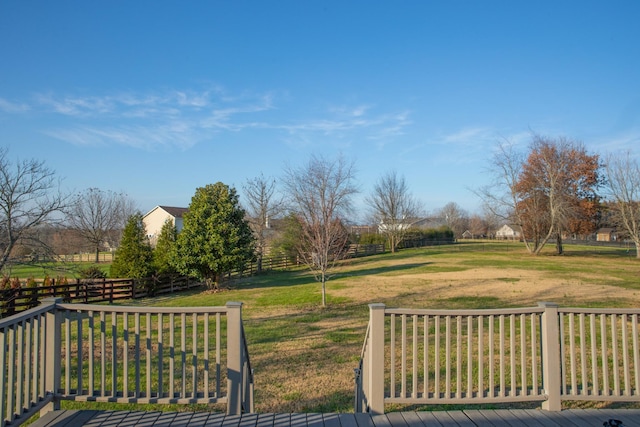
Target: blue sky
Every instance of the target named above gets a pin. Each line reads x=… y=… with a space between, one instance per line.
x=157 y=98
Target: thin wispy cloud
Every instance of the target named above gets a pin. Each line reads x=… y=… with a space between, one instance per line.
x=183 y=118
x=12 y=107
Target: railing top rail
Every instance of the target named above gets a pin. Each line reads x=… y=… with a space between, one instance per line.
x=574 y=310
x=143 y=309
x=467 y=312
x=27 y=314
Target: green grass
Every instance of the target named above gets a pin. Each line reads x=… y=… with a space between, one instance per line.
x=304 y=354
x=52 y=269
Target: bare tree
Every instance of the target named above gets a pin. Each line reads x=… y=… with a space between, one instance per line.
x=623 y=181
x=393 y=207
x=30 y=196
x=99 y=216
x=457 y=219
x=321 y=194
x=262 y=205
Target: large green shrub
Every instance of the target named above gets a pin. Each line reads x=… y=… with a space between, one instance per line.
x=133 y=259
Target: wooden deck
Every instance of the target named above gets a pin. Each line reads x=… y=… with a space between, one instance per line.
x=464 y=418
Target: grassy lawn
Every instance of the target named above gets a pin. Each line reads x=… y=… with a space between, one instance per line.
x=304 y=355
x=54 y=269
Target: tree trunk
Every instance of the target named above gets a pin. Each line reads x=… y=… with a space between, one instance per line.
x=559 y=248
x=97 y=254
x=324 y=290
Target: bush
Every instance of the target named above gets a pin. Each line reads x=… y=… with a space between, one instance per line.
x=92 y=272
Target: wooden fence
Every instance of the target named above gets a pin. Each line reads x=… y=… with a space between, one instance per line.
x=88 y=291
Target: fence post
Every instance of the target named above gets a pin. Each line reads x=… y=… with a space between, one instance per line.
x=52 y=350
x=376 y=359
x=550 y=340
x=234 y=358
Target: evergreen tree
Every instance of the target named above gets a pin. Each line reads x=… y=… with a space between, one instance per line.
x=215 y=238
x=134 y=256
x=162 y=252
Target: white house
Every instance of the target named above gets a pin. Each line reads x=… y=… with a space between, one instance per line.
x=509 y=232
x=156 y=217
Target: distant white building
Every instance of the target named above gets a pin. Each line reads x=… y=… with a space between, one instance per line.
x=156 y=217
x=509 y=232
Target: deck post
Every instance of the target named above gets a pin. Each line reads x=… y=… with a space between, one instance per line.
x=376 y=359
x=52 y=350
x=234 y=358
x=551 y=373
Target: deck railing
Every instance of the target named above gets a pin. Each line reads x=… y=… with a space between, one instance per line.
x=109 y=353
x=540 y=353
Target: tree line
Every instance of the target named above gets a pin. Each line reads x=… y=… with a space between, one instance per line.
x=551 y=188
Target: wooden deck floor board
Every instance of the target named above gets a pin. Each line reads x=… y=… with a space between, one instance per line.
x=464 y=418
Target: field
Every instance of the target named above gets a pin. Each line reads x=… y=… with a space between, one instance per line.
x=304 y=355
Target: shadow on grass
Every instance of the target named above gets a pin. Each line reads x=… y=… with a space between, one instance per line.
x=383 y=270
x=280 y=279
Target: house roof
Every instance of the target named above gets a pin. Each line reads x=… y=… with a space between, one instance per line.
x=174 y=211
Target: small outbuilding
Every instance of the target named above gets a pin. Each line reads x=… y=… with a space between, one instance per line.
x=606 y=234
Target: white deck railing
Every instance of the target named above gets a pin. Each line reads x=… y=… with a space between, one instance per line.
x=122 y=354
x=540 y=353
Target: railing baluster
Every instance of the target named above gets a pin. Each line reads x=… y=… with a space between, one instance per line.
x=148 y=355
x=583 y=356
x=393 y=356
x=625 y=355
x=572 y=355
x=91 y=343
x=481 y=392
x=67 y=351
x=458 y=356
x=160 y=356
x=206 y=352
x=114 y=354
x=19 y=348
x=183 y=353
x=414 y=386
x=535 y=387
x=512 y=354
x=502 y=357
x=11 y=372
x=125 y=355
x=103 y=354
x=79 y=344
x=37 y=366
x=172 y=355
x=594 y=355
x=447 y=337
x=426 y=356
x=28 y=348
x=436 y=366
x=3 y=375
x=603 y=348
x=563 y=354
x=469 y=356
x=523 y=355
x=614 y=347
x=636 y=353
x=218 y=353
x=492 y=390
x=403 y=361
x=137 y=354
x=194 y=360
